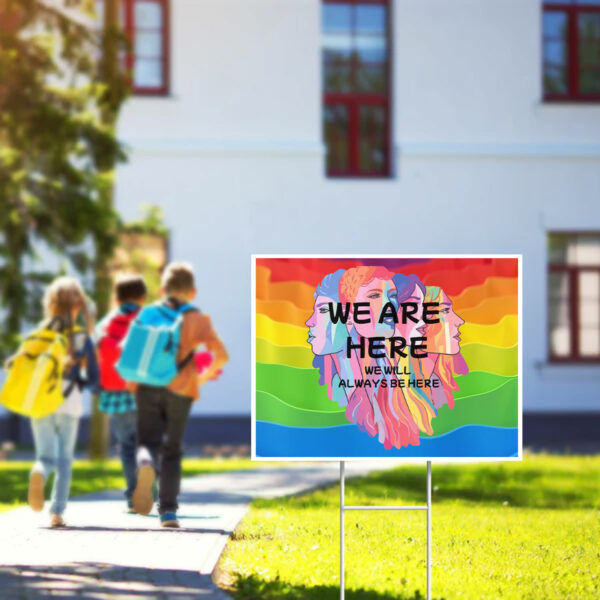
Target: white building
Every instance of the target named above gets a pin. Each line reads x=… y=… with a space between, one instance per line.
x=468 y=126
x=479 y=154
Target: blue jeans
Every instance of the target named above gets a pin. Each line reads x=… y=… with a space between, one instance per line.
x=124 y=427
x=54 y=437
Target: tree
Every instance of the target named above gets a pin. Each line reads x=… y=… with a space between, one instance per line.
x=58 y=150
x=115 y=89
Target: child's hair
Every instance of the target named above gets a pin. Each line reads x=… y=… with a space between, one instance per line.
x=130 y=287
x=177 y=278
x=61 y=297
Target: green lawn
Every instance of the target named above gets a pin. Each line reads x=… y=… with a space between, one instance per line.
x=518 y=531
x=91 y=476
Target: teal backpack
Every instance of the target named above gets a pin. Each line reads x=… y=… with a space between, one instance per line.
x=149 y=352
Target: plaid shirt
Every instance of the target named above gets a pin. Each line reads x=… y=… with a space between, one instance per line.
x=116 y=402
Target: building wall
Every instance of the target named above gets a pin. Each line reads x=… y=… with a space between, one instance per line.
x=235 y=158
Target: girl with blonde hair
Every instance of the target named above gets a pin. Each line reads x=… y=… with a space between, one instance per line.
x=55 y=435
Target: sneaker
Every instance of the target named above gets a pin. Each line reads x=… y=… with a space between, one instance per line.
x=169 y=519
x=57 y=521
x=130 y=509
x=35 y=496
x=142 y=500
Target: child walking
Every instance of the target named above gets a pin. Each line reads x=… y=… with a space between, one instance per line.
x=163 y=410
x=116 y=399
x=55 y=434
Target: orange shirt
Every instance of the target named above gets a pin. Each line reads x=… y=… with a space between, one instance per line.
x=196 y=329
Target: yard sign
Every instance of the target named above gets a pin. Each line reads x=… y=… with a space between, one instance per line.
x=386 y=357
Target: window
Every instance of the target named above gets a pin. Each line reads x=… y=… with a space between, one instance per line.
x=574 y=297
x=356 y=87
x=146 y=23
x=571 y=50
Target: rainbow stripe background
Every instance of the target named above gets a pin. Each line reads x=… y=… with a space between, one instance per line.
x=294 y=418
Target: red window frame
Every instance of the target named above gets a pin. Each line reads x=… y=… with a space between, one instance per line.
x=572 y=272
x=573 y=93
x=353 y=101
x=130 y=29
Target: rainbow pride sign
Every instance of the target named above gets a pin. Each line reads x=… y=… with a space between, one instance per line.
x=386 y=357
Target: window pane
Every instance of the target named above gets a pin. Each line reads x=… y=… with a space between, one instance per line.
x=336 y=137
x=589 y=81
x=337 y=18
x=337 y=47
x=371 y=76
x=555 y=67
x=148 y=44
x=589 y=342
x=589 y=39
x=371 y=18
x=372 y=157
x=589 y=300
x=560 y=338
x=555 y=25
x=555 y=52
x=589 y=313
x=589 y=52
x=148 y=15
x=589 y=25
x=371 y=48
x=584 y=250
x=337 y=44
x=555 y=80
x=337 y=72
x=148 y=73
x=557 y=248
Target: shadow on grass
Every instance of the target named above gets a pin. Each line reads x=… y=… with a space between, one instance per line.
x=253 y=588
x=517 y=485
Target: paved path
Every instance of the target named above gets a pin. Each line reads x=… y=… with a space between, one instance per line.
x=106 y=553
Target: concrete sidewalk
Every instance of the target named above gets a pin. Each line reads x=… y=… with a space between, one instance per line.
x=106 y=553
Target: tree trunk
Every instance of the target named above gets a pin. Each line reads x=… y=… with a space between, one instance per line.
x=99 y=424
x=14 y=301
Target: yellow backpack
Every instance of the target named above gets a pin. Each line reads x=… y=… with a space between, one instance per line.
x=33 y=386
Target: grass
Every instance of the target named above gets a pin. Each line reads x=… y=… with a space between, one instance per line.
x=514 y=531
x=89 y=476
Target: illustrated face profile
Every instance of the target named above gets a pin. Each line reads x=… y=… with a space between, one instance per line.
x=443 y=337
x=375 y=286
x=409 y=291
x=324 y=336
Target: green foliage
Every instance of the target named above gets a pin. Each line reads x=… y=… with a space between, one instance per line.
x=57 y=146
x=513 y=531
x=152 y=222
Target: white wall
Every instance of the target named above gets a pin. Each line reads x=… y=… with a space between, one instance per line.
x=481 y=165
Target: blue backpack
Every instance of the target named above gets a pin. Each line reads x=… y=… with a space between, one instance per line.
x=149 y=353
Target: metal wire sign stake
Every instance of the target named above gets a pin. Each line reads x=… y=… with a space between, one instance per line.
x=344 y=508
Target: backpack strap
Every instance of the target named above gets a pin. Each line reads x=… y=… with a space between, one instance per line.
x=181 y=308
x=178 y=306
x=184 y=361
